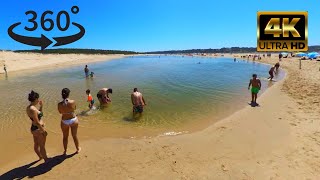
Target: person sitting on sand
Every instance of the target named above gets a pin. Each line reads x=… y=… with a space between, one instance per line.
x=37 y=127
x=271 y=71
x=103 y=96
x=138 y=101
x=69 y=120
x=256 y=86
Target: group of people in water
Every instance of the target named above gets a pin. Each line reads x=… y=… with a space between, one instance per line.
x=69 y=119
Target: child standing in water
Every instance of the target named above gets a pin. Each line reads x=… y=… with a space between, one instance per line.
x=90 y=99
x=256 y=86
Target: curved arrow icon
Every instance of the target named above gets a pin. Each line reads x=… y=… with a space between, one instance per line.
x=70 y=39
x=43 y=41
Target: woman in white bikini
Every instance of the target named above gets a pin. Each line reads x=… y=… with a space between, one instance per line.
x=69 y=119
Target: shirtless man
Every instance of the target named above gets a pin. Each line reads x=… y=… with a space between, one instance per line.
x=103 y=96
x=137 y=101
x=271 y=71
x=256 y=86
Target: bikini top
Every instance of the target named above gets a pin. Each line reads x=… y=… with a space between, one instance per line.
x=65 y=103
x=40 y=115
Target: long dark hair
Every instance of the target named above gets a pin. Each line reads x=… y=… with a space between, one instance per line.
x=33 y=96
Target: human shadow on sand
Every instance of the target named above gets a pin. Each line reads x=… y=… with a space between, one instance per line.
x=253 y=104
x=30 y=172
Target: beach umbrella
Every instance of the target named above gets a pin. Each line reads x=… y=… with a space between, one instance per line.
x=313 y=55
x=300 y=54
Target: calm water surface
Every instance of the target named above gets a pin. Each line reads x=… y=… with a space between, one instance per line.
x=180 y=94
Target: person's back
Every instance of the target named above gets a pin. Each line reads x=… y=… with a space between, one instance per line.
x=86 y=71
x=67 y=108
x=137 y=99
x=255 y=82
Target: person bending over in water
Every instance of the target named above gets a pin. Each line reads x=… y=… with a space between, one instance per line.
x=90 y=99
x=277 y=65
x=91 y=74
x=37 y=126
x=103 y=96
x=69 y=119
x=256 y=86
x=271 y=71
x=138 y=101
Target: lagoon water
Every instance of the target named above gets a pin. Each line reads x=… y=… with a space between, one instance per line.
x=181 y=94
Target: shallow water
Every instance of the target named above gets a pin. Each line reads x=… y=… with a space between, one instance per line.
x=181 y=94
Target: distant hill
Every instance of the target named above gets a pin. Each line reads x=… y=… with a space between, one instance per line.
x=78 y=51
x=189 y=51
x=221 y=50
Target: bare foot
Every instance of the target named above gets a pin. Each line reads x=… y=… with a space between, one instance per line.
x=78 y=150
x=46 y=160
x=64 y=152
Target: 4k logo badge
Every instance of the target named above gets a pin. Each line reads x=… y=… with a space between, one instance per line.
x=282 y=31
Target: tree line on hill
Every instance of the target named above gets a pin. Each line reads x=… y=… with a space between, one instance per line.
x=189 y=51
x=78 y=51
x=222 y=50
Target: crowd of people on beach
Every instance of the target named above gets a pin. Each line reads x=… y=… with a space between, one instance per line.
x=69 y=120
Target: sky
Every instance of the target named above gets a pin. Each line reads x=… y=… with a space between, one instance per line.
x=152 y=25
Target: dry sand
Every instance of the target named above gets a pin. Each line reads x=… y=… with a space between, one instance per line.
x=278 y=140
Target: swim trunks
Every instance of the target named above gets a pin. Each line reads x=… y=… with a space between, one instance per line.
x=255 y=90
x=138 y=109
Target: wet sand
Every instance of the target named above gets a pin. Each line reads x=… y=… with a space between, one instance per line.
x=278 y=140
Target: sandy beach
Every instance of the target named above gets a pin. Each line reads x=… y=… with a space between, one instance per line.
x=28 y=62
x=278 y=140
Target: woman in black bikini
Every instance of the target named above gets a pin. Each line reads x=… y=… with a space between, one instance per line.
x=37 y=127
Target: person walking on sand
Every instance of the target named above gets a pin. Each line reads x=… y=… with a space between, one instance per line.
x=86 y=71
x=138 y=101
x=69 y=120
x=256 y=86
x=271 y=71
x=103 y=96
x=37 y=127
x=90 y=99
